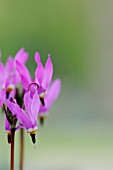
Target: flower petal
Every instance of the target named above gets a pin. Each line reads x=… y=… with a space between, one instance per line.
x=3 y=73
x=53 y=91
x=37 y=57
x=21 y=56
x=7 y=125
x=7 y=83
x=13 y=107
x=24 y=74
x=9 y=65
x=21 y=115
x=2 y=96
x=25 y=82
x=48 y=73
x=35 y=105
x=27 y=102
x=39 y=73
x=15 y=79
x=23 y=70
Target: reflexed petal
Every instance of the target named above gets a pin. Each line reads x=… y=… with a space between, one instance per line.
x=7 y=125
x=21 y=115
x=24 y=119
x=53 y=91
x=9 y=65
x=15 y=79
x=35 y=105
x=37 y=57
x=24 y=58
x=7 y=83
x=3 y=73
x=2 y=97
x=39 y=73
x=23 y=70
x=21 y=56
x=48 y=73
x=13 y=107
x=19 y=127
x=25 y=82
x=27 y=102
x=45 y=108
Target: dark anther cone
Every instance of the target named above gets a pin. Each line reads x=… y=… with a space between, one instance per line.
x=42 y=101
x=7 y=95
x=33 y=138
x=41 y=120
x=9 y=138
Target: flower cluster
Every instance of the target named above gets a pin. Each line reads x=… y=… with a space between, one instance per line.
x=23 y=105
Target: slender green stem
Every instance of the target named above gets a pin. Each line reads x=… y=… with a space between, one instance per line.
x=21 y=149
x=12 y=149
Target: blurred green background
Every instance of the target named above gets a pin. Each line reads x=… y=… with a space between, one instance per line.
x=78 y=134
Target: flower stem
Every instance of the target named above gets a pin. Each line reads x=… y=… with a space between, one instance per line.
x=12 y=149
x=21 y=148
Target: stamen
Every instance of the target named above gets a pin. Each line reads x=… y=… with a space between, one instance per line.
x=33 y=138
x=9 y=89
x=33 y=84
x=42 y=118
x=42 y=101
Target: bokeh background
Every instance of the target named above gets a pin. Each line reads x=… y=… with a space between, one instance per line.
x=78 y=133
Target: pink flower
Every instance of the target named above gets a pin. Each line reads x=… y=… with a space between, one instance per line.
x=42 y=79
x=43 y=74
x=22 y=57
x=27 y=118
x=9 y=77
x=51 y=95
x=3 y=91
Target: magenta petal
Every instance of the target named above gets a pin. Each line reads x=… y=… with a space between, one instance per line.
x=24 y=74
x=37 y=57
x=35 y=105
x=7 y=83
x=23 y=70
x=2 y=97
x=12 y=94
x=25 y=82
x=15 y=79
x=9 y=65
x=53 y=91
x=24 y=119
x=21 y=115
x=21 y=56
x=7 y=125
x=3 y=73
x=44 y=109
x=25 y=58
x=39 y=73
x=19 y=127
x=48 y=73
x=13 y=107
x=27 y=102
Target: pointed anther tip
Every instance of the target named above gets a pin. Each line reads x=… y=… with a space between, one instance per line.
x=42 y=118
x=42 y=101
x=33 y=137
